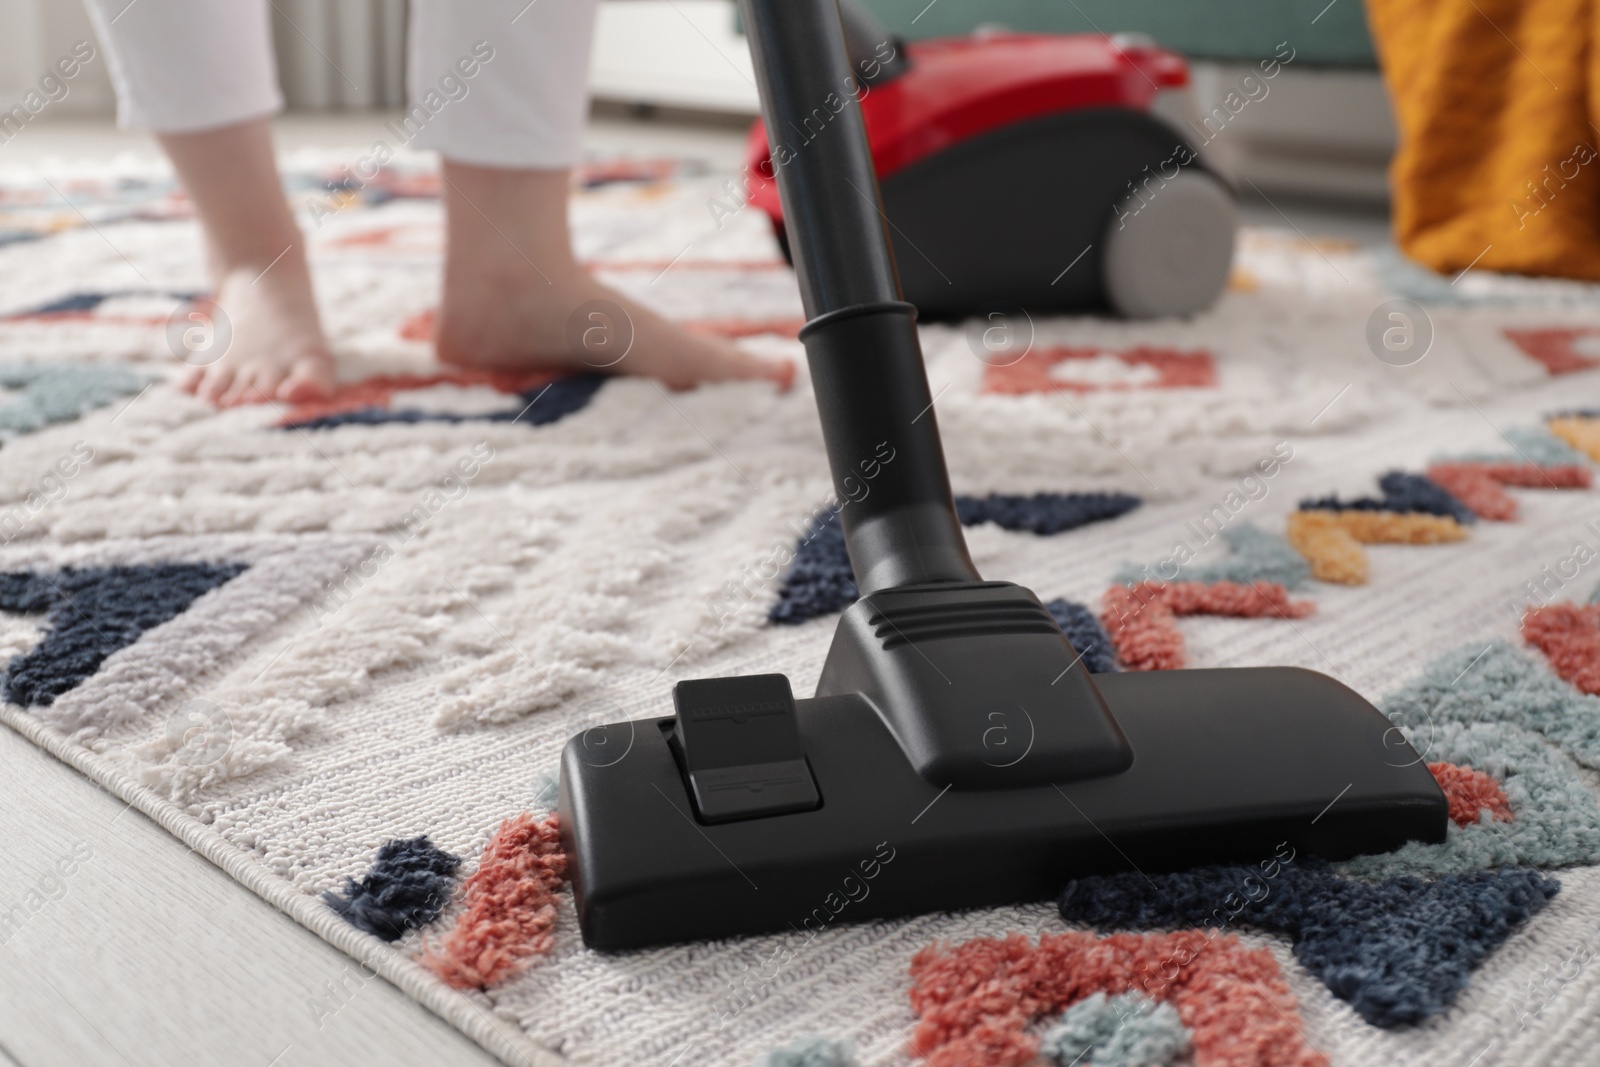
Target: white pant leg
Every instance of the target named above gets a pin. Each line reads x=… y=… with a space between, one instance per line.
x=524 y=106
x=186 y=65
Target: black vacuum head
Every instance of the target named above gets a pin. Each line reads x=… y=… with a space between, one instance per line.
x=957 y=753
x=831 y=820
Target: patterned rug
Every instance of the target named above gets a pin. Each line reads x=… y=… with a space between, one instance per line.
x=336 y=648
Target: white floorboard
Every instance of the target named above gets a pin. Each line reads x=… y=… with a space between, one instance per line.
x=146 y=954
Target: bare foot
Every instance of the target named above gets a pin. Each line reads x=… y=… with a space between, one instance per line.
x=497 y=321
x=276 y=350
x=515 y=299
x=264 y=340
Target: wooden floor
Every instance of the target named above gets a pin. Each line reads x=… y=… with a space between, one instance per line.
x=144 y=953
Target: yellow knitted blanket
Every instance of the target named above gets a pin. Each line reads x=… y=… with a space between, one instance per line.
x=1496 y=102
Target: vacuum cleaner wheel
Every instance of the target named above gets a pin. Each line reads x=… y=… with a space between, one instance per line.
x=1170 y=253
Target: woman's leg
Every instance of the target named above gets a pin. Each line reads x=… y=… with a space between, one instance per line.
x=200 y=73
x=259 y=276
x=499 y=88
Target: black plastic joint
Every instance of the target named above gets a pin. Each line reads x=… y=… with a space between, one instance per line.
x=739 y=742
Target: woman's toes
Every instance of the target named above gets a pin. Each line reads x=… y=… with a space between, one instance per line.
x=781 y=371
x=311 y=378
x=732 y=363
x=252 y=385
x=218 y=378
x=236 y=393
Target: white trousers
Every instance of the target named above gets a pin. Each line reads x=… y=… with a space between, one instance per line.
x=498 y=83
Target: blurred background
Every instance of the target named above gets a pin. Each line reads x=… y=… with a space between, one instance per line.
x=1324 y=132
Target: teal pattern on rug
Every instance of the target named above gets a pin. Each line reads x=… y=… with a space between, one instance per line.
x=1555 y=817
x=1529 y=444
x=1129 y=1030
x=811 y=1052
x=1254 y=556
x=51 y=393
x=1494 y=682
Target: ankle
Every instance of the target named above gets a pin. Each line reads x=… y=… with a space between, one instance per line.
x=256 y=263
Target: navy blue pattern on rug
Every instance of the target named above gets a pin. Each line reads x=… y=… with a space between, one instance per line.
x=540 y=407
x=1402 y=492
x=1086 y=634
x=408 y=886
x=820 y=582
x=1397 y=951
x=89 y=301
x=93 y=612
x=1044 y=513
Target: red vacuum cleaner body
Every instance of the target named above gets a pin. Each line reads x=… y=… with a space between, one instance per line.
x=1034 y=170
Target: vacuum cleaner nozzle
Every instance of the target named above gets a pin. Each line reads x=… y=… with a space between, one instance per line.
x=957 y=752
x=749 y=811
x=974 y=762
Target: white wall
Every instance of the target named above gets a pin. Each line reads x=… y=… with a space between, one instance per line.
x=38 y=32
x=686 y=53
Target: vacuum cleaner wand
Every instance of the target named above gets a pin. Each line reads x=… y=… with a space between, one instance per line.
x=954 y=729
x=861 y=338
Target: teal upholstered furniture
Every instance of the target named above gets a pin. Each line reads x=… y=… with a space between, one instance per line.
x=1209 y=29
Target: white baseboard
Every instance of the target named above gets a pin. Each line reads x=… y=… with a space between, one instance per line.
x=683 y=54
x=1324 y=133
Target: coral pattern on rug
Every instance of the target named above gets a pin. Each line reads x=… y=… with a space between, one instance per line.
x=508 y=907
x=1142 y=619
x=1083 y=370
x=1471 y=794
x=976 y=1000
x=1480 y=485
x=1569 y=636
x=1557 y=348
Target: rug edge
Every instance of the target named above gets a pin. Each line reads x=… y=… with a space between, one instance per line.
x=494 y=1036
